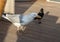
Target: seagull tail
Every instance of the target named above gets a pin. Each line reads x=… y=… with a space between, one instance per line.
x=5 y=17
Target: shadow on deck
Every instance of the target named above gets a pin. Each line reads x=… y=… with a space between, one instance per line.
x=48 y=31
x=4 y=27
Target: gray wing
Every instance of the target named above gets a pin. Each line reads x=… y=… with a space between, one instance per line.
x=15 y=18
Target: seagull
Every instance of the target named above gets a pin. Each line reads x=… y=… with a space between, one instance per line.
x=20 y=20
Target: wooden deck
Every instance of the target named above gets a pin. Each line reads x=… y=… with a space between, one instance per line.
x=21 y=7
x=48 y=31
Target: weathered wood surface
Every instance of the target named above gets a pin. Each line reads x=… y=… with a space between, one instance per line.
x=48 y=31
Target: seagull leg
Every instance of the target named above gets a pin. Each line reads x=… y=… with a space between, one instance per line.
x=17 y=29
x=20 y=29
x=23 y=28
